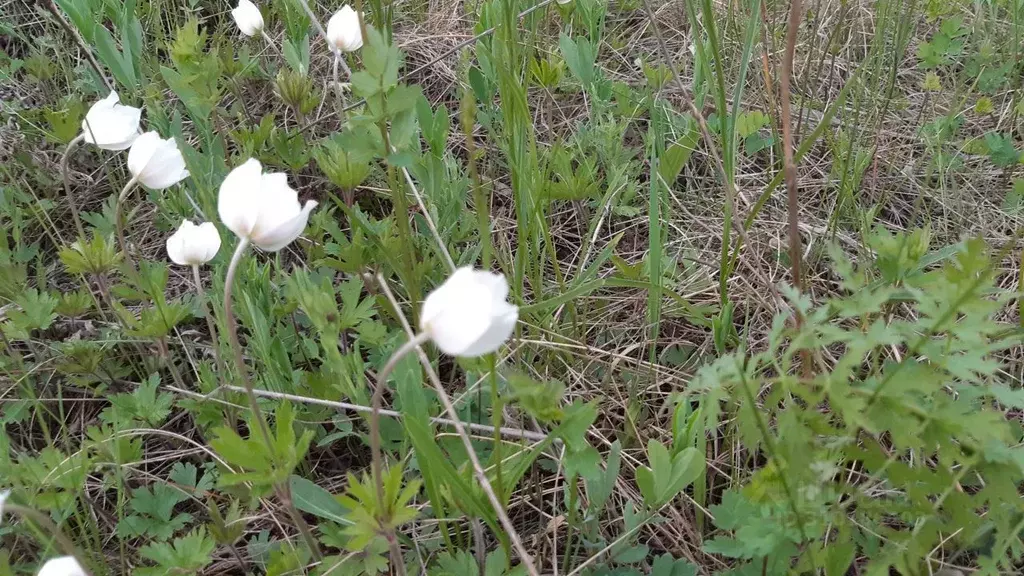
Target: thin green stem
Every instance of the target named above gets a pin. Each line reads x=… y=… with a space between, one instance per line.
x=496 y=420
x=770 y=446
x=378 y=460
x=210 y=324
x=72 y=201
x=47 y=525
x=120 y=223
x=375 y=407
x=270 y=43
x=236 y=347
x=283 y=493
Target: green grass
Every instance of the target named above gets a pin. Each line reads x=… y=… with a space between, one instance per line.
x=659 y=408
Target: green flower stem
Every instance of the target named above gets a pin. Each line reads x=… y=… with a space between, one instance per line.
x=282 y=491
x=120 y=223
x=270 y=42
x=378 y=396
x=72 y=201
x=460 y=429
x=47 y=525
x=377 y=462
x=496 y=419
x=338 y=92
x=236 y=347
x=210 y=324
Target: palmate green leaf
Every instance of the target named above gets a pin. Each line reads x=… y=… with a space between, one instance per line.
x=33 y=310
x=240 y=453
x=189 y=554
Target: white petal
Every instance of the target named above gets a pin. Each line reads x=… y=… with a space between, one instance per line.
x=496 y=284
x=63 y=566
x=209 y=239
x=286 y=232
x=176 y=250
x=278 y=203
x=142 y=150
x=110 y=125
x=343 y=29
x=235 y=201
x=248 y=17
x=3 y=497
x=457 y=313
x=503 y=323
x=166 y=166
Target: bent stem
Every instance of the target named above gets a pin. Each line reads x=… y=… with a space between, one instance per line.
x=210 y=324
x=460 y=429
x=46 y=524
x=283 y=493
x=119 y=222
x=377 y=463
x=378 y=396
x=236 y=347
x=338 y=92
x=67 y=183
x=270 y=42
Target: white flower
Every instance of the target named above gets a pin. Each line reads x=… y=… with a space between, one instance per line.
x=343 y=30
x=468 y=315
x=192 y=245
x=563 y=2
x=155 y=162
x=3 y=497
x=248 y=18
x=62 y=566
x=110 y=125
x=262 y=208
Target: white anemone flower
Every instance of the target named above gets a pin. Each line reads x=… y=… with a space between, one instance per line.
x=467 y=315
x=62 y=566
x=3 y=498
x=343 y=30
x=248 y=18
x=155 y=162
x=110 y=125
x=193 y=245
x=262 y=208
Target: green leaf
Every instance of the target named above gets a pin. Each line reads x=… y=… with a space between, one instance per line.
x=312 y=499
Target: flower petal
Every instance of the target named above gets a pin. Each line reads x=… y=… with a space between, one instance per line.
x=142 y=150
x=62 y=566
x=236 y=203
x=503 y=322
x=166 y=167
x=209 y=238
x=286 y=232
x=176 y=244
x=3 y=498
x=278 y=203
x=457 y=313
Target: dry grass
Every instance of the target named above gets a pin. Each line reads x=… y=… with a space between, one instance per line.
x=615 y=342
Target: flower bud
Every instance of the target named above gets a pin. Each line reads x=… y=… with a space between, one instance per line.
x=155 y=162
x=467 y=315
x=193 y=245
x=343 y=30
x=248 y=18
x=111 y=126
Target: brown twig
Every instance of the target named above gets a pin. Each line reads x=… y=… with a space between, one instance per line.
x=789 y=167
x=80 y=41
